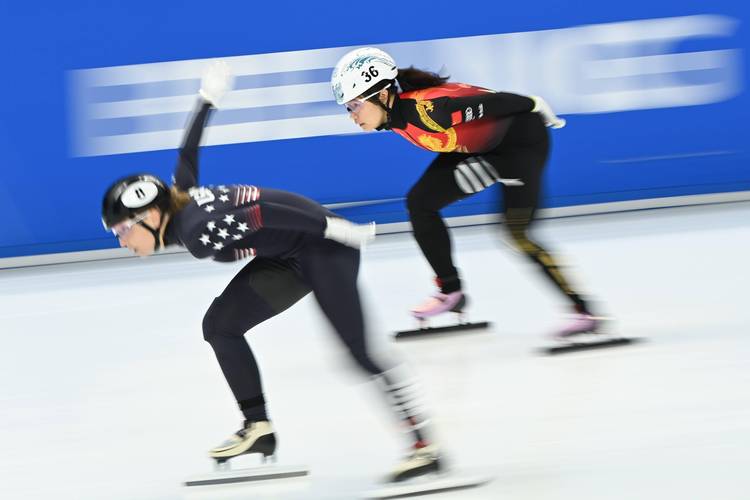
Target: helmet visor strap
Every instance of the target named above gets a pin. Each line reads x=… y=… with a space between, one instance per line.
x=356 y=104
x=121 y=229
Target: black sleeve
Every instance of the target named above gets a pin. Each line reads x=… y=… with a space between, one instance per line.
x=277 y=209
x=186 y=172
x=455 y=110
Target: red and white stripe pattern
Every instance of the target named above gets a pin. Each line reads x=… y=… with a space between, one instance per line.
x=243 y=253
x=254 y=217
x=245 y=194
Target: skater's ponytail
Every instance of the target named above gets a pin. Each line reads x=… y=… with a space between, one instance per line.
x=178 y=199
x=412 y=78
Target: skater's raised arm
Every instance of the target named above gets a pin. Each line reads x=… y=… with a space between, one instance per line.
x=186 y=171
x=215 y=83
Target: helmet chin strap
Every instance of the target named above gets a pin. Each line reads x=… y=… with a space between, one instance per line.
x=386 y=125
x=154 y=233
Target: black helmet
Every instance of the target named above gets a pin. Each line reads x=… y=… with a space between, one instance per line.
x=132 y=195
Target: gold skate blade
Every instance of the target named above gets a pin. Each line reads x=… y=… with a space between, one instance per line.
x=252 y=474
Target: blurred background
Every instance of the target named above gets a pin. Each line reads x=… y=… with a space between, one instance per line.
x=106 y=387
x=653 y=91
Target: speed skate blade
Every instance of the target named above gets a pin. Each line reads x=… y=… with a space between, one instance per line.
x=589 y=345
x=429 y=485
x=432 y=330
x=253 y=474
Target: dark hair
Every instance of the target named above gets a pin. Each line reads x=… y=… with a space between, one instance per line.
x=408 y=79
x=412 y=78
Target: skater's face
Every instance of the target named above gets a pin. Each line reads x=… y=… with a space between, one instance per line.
x=367 y=114
x=136 y=238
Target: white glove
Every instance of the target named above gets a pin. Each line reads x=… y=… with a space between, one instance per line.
x=348 y=233
x=549 y=116
x=217 y=80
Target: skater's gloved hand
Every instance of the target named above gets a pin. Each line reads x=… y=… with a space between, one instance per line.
x=549 y=116
x=216 y=81
x=348 y=233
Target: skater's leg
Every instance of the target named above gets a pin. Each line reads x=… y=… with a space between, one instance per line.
x=262 y=289
x=518 y=222
x=524 y=156
x=331 y=270
x=436 y=189
x=450 y=177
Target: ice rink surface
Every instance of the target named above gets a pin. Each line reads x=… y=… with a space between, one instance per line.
x=109 y=391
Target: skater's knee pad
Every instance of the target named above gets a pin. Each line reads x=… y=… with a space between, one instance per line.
x=209 y=326
x=517 y=234
x=233 y=314
x=518 y=231
x=219 y=321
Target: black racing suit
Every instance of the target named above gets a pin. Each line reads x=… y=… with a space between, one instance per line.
x=284 y=232
x=482 y=137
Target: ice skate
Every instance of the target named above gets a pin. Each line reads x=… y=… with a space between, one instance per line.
x=421 y=461
x=584 y=331
x=578 y=324
x=438 y=304
x=422 y=473
x=255 y=438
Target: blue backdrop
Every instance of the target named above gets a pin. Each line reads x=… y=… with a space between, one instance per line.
x=654 y=95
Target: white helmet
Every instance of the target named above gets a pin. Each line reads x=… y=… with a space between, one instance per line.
x=360 y=70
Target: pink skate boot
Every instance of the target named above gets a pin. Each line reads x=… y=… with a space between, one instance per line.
x=584 y=331
x=577 y=324
x=440 y=303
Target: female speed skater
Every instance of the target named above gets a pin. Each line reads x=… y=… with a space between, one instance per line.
x=482 y=137
x=298 y=246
